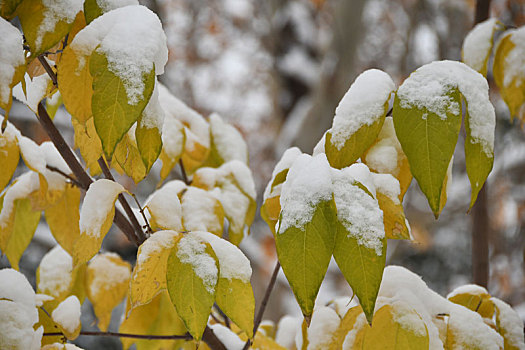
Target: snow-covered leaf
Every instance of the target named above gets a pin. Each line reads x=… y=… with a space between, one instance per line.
x=173 y=140
x=227 y=143
x=165 y=207
x=88 y=143
x=9 y=154
x=96 y=217
x=322 y=329
x=149 y=274
x=67 y=317
x=352 y=321
x=358 y=118
x=107 y=282
x=475 y=298
x=192 y=276
x=201 y=211
x=127 y=159
x=509 y=325
x=477 y=45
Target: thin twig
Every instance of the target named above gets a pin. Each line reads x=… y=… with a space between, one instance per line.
x=264 y=303
x=69 y=177
x=141 y=209
x=48 y=69
x=183 y=172
x=141 y=236
x=223 y=315
x=125 y=335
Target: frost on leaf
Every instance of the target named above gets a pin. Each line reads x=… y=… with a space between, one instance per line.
x=12 y=62
x=18 y=312
x=107 y=282
x=477 y=45
x=358 y=117
x=427 y=118
x=96 y=217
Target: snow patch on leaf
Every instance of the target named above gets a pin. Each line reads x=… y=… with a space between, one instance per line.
x=191 y=250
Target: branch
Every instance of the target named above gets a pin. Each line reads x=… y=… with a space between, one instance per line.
x=69 y=177
x=141 y=209
x=183 y=173
x=125 y=335
x=48 y=70
x=264 y=302
x=129 y=212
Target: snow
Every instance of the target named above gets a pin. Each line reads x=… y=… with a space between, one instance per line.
x=404 y=316
x=319 y=147
x=511 y=324
x=307 y=184
x=383 y=156
x=358 y=211
x=387 y=185
x=199 y=130
x=155 y=243
x=514 y=65
x=11 y=56
x=153 y=114
x=284 y=163
x=54 y=12
x=232 y=262
x=360 y=322
x=478 y=43
x=191 y=250
x=108 y=274
x=363 y=104
x=18 y=312
x=228 y=140
x=428 y=86
x=98 y=202
x=198 y=208
x=67 y=314
x=230 y=340
x=22 y=187
x=323 y=326
x=55 y=272
x=172 y=137
x=471 y=289
x=362 y=174
x=133 y=42
x=164 y=205
x=286 y=331
x=32 y=154
x=36 y=90
x=108 y=5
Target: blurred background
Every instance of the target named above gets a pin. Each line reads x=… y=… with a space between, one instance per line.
x=276 y=69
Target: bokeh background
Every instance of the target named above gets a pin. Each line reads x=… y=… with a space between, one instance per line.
x=276 y=69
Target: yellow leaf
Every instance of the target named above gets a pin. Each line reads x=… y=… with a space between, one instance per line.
x=477 y=45
x=475 y=298
x=195 y=153
x=13 y=64
x=393 y=217
x=107 y=281
x=88 y=142
x=349 y=322
x=67 y=316
x=75 y=84
x=8 y=8
x=96 y=218
x=173 y=140
x=149 y=274
x=9 y=156
x=128 y=157
x=63 y=218
x=509 y=325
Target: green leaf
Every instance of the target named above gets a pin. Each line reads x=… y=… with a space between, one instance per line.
x=149 y=143
x=8 y=8
x=478 y=161
x=127 y=156
x=428 y=142
x=88 y=143
x=192 y=282
x=91 y=10
x=305 y=253
x=113 y=113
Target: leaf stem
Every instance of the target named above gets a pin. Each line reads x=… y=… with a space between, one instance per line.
x=183 y=173
x=69 y=177
x=124 y=335
x=141 y=209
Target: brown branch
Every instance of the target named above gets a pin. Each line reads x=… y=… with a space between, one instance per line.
x=141 y=209
x=69 y=177
x=264 y=303
x=48 y=69
x=129 y=212
x=125 y=335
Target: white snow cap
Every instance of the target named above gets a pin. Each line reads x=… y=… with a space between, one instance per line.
x=285 y=162
x=157 y=242
x=198 y=208
x=98 y=202
x=472 y=289
x=363 y=104
x=383 y=156
x=191 y=250
x=325 y=322
x=514 y=65
x=165 y=206
x=133 y=41
x=67 y=314
x=232 y=262
x=387 y=185
x=55 y=272
x=11 y=56
x=108 y=273
x=36 y=89
x=511 y=323
x=307 y=184
x=230 y=340
x=54 y=12
x=108 y=5
x=18 y=312
x=228 y=140
x=429 y=85
x=477 y=44
x=153 y=114
x=287 y=329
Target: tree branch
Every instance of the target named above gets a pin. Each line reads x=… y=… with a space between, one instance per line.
x=125 y=335
x=69 y=177
x=264 y=302
x=48 y=69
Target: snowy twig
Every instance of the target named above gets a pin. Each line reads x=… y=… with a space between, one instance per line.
x=48 y=69
x=69 y=177
x=264 y=303
x=141 y=209
x=126 y=335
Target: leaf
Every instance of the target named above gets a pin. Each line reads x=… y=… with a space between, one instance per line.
x=393 y=218
x=9 y=157
x=107 y=281
x=305 y=253
x=76 y=85
x=173 y=140
x=389 y=330
x=113 y=113
x=227 y=143
x=477 y=300
x=270 y=210
x=358 y=118
x=96 y=217
x=509 y=325
x=63 y=218
x=428 y=142
x=507 y=75
x=17 y=232
x=128 y=157
x=165 y=207
x=192 y=282
x=234 y=292
x=8 y=8
x=195 y=153
x=88 y=142
x=45 y=24
x=149 y=143
x=149 y=274
x=158 y=317
x=348 y=323
x=91 y=10
x=201 y=211
x=478 y=43
x=55 y=275
x=67 y=317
